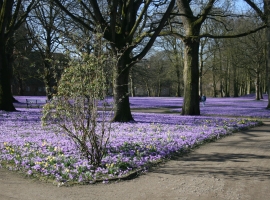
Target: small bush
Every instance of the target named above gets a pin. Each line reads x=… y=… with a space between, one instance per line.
x=75 y=107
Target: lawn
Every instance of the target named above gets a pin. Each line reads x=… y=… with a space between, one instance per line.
x=133 y=147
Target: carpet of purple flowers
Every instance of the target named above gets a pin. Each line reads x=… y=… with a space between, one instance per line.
x=38 y=151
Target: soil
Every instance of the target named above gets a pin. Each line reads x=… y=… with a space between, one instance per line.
x=234 y=167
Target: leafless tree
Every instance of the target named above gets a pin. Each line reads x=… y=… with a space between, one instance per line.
x=131 y=32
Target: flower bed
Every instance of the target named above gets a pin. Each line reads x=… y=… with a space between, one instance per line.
x=27 y=146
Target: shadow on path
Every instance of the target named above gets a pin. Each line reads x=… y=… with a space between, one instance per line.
x=244 y=155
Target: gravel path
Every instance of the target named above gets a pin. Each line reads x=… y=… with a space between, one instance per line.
x=235 y=167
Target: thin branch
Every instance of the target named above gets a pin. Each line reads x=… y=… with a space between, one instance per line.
x=156 y=33
x=205 y=12
x=138 y=21
x=257 y=10
x=231 y=36
x=75 y=18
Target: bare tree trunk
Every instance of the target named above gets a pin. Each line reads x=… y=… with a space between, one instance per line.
x=261 y=92
x=21 y=90
x=122 y=112
x=178 y=87
x=257 y=85
x=235 y=83
x=191 y=104
x=248 y=84
x=177 y=65
x=132 y=87
x=214 y=85
x=6 y=51
x=159 y=88
x=48 y=79
x=227 y=81
x=214 y=77
x=147 y=88
x=267 y=30
x=6 y=102
x=200 y=75
x=221 y=75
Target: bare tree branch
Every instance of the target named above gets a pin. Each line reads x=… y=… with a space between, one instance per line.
x=156 y=33
x=257 y=10
x=231 y=36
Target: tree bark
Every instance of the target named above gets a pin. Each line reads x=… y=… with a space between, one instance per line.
x=261 y=92
x=214 y=76
x=177 y=65
x=178 y=86
x=21 y=89
x=159 y=88
x=122 y=111
x=226 y=85
x=257 y=85
x=235 y=83
x=10 y=21
x=48 y=79
x=6 y=102
x=267 y=30
x=191 y=104
x=201 y=70
x=132 y=87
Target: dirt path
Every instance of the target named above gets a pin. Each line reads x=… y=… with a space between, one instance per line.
x=235 y=167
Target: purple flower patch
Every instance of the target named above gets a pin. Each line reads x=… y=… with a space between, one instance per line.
x=27 y=146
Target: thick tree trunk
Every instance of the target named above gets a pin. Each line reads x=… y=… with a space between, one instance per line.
x=6 y=102
x=122 y=112
x=191 y=104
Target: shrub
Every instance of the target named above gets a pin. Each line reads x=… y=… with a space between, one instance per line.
x=75 y=107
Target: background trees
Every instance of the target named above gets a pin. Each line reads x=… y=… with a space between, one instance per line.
x=193 y=15
x=43 y=25
x=22 y=70
x=205 y=53
x=152 y=76
x=264 y=14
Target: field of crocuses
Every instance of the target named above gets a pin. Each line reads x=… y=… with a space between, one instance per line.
x=47 y=153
